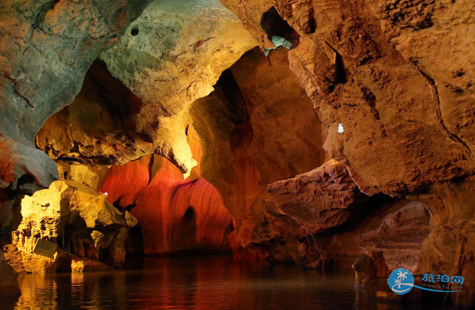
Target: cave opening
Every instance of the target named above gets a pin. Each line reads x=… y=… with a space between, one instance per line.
x=278 y=31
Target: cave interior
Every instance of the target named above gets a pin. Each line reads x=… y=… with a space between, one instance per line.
x=326 y=134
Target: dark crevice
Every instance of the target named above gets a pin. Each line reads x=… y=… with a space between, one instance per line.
x=15 y=89
x=339 y=76
x=150 y=169
x=276 y=27
x=189 y=216
x=227 y=88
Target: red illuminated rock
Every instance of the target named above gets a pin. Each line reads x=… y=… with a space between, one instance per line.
x=174 y=214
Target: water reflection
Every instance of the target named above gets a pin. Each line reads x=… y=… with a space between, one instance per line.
x=194 y=283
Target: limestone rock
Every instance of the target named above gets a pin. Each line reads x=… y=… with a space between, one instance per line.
x=91 y=176
x=169 y=57
x=175 y=214
x=97 y=128
x=76 y=218
x=397 y=228
x=450 y=247
x=46 y=49
x=82 y=265
x=172 y=55
x=392 y=81
x=392 y=98
x=313 y=202
x=17 y=159
x=244 y=130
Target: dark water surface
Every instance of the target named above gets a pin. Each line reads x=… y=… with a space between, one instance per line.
x=196 y=282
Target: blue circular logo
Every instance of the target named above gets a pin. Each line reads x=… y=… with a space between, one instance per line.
x=401 y=281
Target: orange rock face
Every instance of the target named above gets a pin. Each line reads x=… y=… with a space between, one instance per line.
x=174 y=214
x=244 y=132
x=315 y=201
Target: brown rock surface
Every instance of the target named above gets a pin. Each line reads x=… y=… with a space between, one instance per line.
x=389 y=106
x=399 y=131
x=397 y=228
x=315 y=201
x=450 y=247
x=392 y=83
x=243 y=129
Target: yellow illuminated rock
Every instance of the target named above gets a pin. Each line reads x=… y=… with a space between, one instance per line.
x=75 y=217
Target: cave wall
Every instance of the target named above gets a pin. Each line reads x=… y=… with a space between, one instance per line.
x=174 y=214
x=391 y=82
x=46 y=49
x=359 y=70
x=244 y=132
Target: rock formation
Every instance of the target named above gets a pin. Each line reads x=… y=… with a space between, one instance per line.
x=174 y=214
x=46 y=49
x=395 y=109
x=74 y=217
x=257 y=99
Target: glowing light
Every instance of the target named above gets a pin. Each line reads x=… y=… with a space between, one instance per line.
x=340 y=128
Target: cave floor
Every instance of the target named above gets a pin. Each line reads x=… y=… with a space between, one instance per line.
x=195 y=282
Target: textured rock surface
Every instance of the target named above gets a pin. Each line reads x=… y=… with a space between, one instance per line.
x=171 y=56
x=76 y=218
x=450 y=247
x=46 y=48
x=381 y=79
x=174 y=214
x=392 y=83
x=91 y=176
x=388 y=103
x=396 y=228
x=243 y=129
x=17 y=159
x=97 y=128
x=315 y=201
